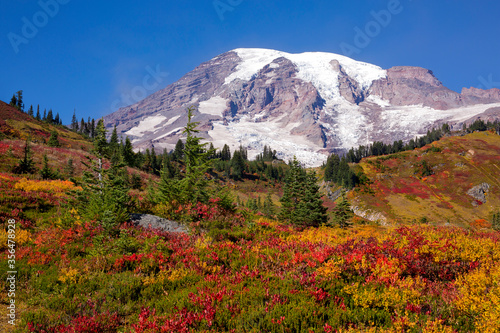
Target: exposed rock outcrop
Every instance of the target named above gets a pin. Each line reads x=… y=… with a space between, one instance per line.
x=156 y=222
x=479 y=193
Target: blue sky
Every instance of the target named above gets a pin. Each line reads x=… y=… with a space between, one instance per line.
x=94 y=56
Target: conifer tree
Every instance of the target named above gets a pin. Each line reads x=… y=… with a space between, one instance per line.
x=128 y=153
x=46 y=172
x=301 y=201
x=100 y=146
x=268 y=207
x=13 y=101
x=50 y=117
x=26 y=165
x=69 y=169
x=238 y=165
x=30 y=111
x=193 y=187
x=178 y=151
x=53 y=139
x=226 y=153
x=342 y=213
x=20 y=104
x=38 y=113
x=44 y=118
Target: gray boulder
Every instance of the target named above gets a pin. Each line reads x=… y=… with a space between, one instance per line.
x=156 y=222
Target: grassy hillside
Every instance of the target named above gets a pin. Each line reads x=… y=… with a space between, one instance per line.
x=238 y=271
x=404 y=189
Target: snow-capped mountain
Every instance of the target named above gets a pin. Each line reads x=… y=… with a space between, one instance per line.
x=307 y=104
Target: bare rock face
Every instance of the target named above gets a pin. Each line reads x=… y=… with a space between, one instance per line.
x=479 y=193
x=415 y=86
x=349 y=88
x=476 y=96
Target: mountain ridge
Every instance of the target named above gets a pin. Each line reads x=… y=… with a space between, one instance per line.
x=307 y=104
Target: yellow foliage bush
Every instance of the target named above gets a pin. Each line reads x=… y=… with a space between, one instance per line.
x=58 y=187
x=479 y=297
x=68 y=275
x=22 y=237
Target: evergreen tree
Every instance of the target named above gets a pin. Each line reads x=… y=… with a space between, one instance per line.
x=193 y=187
x=268 y=207
x=20 y=104
x=26 y=165
x=53 y=139
x=128 y=153
x=238 y=165
x=69 y=169
x=57 y=119
x=226 y=153
x=92 y=128
x=38 y=113
x=74 y=122
x=301 y=201
x=100 y=146
x=104 y=198
x=46 y=172
x=30 y=111
x=13 y=101
x=342 y=213
x=178 y=151
x=50 y=117
x=44 y=118
x=114 y=145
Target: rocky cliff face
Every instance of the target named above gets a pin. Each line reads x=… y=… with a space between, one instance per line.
x=301 y=104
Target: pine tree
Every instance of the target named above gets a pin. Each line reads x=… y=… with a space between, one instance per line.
x=100 y=146
x=114 y=147
x=20 y=104
x=46 y=172
x=310 y=210
x=13 y=101
x=238 y=165
x=69 y=169
x=57 y=119
x=226 y=153
x=74 y=122
x=30 y=111
x=104 y=198
x=26 y=165
x=301 y=201
x=54 y=139
x=50 y=117
x=178 y=151
x=193 y=187
x=128 y=153
x=44 y=118
x=38 y=113
x=268 y=208
x=342 y=213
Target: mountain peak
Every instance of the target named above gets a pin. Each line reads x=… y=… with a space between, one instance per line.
x=306 y=104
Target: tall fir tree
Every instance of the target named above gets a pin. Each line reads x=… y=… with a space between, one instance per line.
x=74 y=122
x=343 y=213
x=38 y=113
x=50 y=117
x=128 y=153
x=301 y=201
x=30 y=111
x=54 y=139
x=26 y=165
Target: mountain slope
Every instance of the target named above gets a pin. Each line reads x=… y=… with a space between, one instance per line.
x=401 y=191
x=305 y=104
